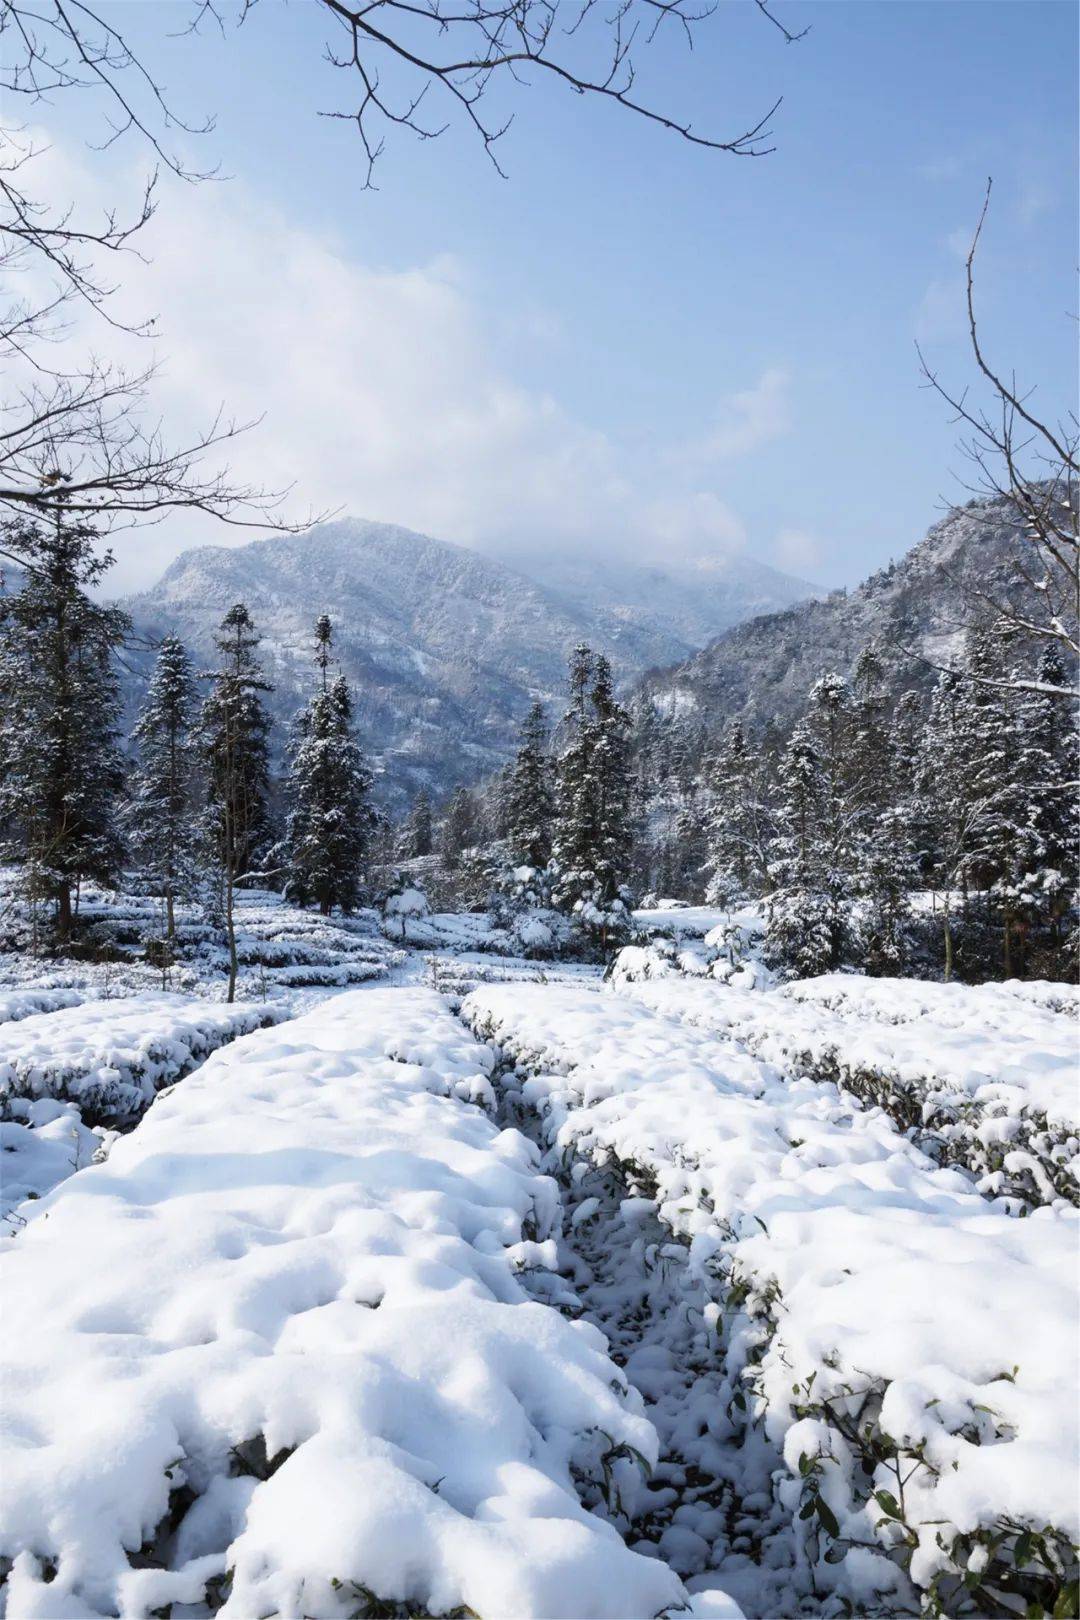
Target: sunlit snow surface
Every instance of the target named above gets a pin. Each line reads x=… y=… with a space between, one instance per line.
x=322 y=1332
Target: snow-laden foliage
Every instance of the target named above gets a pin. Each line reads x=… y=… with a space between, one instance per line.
x=895 y=1338
x=111 y=1056
x=16 y=1004
x=330 y=819
x=340 y=1395
x=61 y=770
x=978 y=1077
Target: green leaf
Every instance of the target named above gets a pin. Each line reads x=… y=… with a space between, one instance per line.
x=888 y=1504
x=808 y=1507
x=1067 y=1606
x=827 y=1516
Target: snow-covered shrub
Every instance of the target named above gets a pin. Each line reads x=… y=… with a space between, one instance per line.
x=111 y=1056
x=976 y=1077
x=405 y=903
x=341 y=1392
x=891 y=1337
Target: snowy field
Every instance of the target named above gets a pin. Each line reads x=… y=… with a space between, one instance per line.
x=429 y=1280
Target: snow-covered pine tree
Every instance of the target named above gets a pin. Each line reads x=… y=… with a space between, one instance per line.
x=417 y=836
x=612 y=782
x=739 y=821
x=1042 y=885
x=592 y=843
x=235 y=738
x=573 y=837
x=886 y=878
x=162 y=810
x=459 y=828
x=798 y=936
x=529 y=801
x=834 y=835
x=330 y=819
x=61 y=769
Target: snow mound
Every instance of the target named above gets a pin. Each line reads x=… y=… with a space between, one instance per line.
x=112 y=1056
x=274 y=1353
x=19 y=1004
x=983 y=1078
x=899 y=1340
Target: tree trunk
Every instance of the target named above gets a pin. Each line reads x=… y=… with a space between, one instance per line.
x=63 y=911
x=230 y=933
x=948 y=946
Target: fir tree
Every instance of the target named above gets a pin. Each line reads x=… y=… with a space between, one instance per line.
x=330 y=819
x=235 y=732
x=459 y=829
x=739 y=821
x=593 y=837
x=418 y=833
x=887 y=878
x=162 y=811
x=529 y=800
x=798 y=935
x=61 y=770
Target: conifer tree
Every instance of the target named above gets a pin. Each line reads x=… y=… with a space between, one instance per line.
x=330 y=819
x=798 y=935
x=162 y=812
x=833 y=837
x=418 y=833
x=61 y=770
x=610 y=768
x=529 y=801
x=593 y=837
x=459 y=828
x=235 y=732
x=887 y=878
x=739 y=821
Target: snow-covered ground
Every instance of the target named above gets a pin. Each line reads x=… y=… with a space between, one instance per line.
x=280 y=1352
x=898 y=1340
x=983 y=1077
x=487 y=1287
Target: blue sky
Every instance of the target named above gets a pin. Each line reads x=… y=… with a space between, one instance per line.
x=726 y=345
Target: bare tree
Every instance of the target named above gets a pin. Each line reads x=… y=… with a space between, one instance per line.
x=1031 y=463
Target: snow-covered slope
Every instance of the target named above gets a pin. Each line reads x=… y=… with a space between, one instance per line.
x=444 y=646
x=913 y=611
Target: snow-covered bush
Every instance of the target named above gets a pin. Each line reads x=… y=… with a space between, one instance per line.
x=978 y=1077
x=405 y=903
x=111 y=1056
x=887 y=1334
x=342 y=1393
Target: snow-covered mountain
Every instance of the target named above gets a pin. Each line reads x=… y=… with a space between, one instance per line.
x=444 y=646
x=914 y=611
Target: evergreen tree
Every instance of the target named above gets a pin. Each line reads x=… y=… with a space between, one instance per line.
x=418 y=833
x=834 y=846
x=1039 y=886
x=459 y=828
x=739 y=821
x=798 y=935
x=610 y=767
x=162 y=812
x=235 y=731
x=887 y=878
x=330 y=819
x=593 y=837
x=529 y=801
x=61 y=770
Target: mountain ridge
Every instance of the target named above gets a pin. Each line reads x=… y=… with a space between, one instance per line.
x=444 y=645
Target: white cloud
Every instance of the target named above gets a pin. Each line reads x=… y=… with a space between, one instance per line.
x=380 y=394
x=747 y=420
